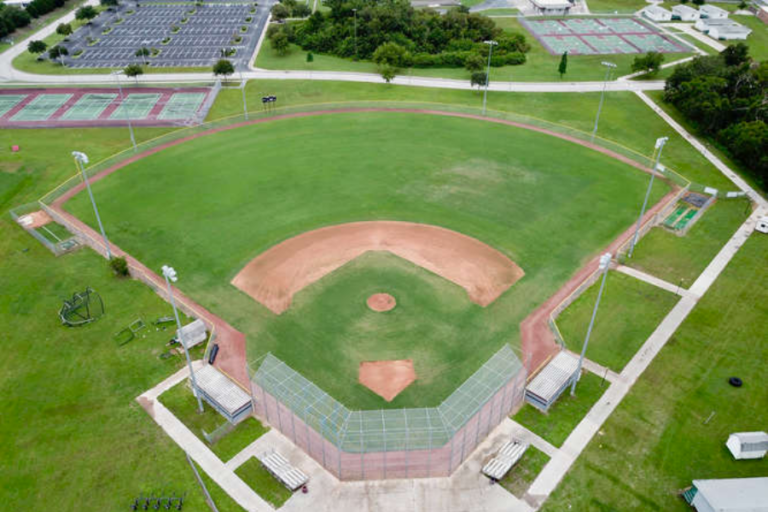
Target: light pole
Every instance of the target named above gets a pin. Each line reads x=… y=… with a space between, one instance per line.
x=117 y=74
x=605 y=263
x=170 y=275
x=355 y=11
x=659 y=146
x=245 y=105
x=82 y=159
x=609 y=69
x=490 y=44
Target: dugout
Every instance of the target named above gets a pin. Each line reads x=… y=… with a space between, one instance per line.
x=223 y=394
x=552 y=380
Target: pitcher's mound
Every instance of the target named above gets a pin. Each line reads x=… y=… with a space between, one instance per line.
x=381 y=302
x=387 y=378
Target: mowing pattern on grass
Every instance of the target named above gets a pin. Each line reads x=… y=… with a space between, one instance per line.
x=588 y=36
x=69 y=107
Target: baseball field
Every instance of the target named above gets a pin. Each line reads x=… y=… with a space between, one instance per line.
x=211 y=207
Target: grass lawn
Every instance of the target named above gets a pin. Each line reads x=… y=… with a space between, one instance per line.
x=568 y=411
x=261 y=481
x=461 y=176
x=182 y=403
x=629 y=312
x=657 y=442
x=672 y=258
x=524 y=473
x=757 y=40
x=615 y=6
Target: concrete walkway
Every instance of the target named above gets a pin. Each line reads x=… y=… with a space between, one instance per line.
x=687 y=28
x=653 y=280
x=558 y=466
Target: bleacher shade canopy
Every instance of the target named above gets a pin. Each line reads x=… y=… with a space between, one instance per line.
x=731 y=495
x=551 y=381
x=224 y=395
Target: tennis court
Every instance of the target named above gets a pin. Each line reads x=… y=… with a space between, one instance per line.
x=571 y=44
x=609 y=44
x=135 y=106
x=8 y=101
x=89 y=107
x=652 y=43
x=182 y=105
x=42 y=107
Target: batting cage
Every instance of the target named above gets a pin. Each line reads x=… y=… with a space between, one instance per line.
x=393 y=443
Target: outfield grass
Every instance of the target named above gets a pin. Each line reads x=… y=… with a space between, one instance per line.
x=261 y=481
x=522 y=475
x=502 y=185
x=629 y=312
x=673 y=258
x=657 y=441
x=182 y=403
x=568 y=411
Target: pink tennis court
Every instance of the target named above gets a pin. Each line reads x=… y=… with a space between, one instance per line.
x=91 y=107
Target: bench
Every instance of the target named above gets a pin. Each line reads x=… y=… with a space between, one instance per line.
x=507 y=457
x=286 y=474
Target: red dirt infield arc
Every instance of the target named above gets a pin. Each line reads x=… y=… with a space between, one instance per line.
x=538 y=341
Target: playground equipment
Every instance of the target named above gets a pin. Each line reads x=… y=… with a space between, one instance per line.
x=129 y=333
x=83 y=308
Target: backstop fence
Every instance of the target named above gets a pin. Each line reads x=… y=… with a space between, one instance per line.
x=394 y=443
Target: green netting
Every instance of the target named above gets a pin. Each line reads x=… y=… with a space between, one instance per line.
x=386 y=430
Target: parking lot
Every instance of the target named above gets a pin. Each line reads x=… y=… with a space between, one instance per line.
x=176 y=35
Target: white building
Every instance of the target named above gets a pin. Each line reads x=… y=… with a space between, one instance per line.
x=729 y=495
x=552 y=7
x=723 y=29
x=762 y=224
x=18 y=3
x=684 y=13
x=657 y=13
x=748 y=445
x=712 y=12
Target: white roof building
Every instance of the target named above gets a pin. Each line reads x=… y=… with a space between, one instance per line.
x=712 y=12
x=657 y=13
x=684 y=13
x=730 y=495
x=722 y=29
x=552 y=380
x=552 y=7
x=748 y=445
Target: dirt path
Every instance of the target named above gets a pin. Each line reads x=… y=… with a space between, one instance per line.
x=537 y=340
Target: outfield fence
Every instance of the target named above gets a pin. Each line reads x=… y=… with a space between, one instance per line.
x=393 y=443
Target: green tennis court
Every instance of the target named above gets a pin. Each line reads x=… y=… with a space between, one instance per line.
x=89 y=107
x=135 y=106
x=42 y=107
x=8 y=101
x=182 y=105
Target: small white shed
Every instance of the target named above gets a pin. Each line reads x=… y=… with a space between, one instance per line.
x=684 y=13
x=657 y=13
x=748 y=445
x=729 y=32
x=729 y=495
x=762 y=224
x=712 y=12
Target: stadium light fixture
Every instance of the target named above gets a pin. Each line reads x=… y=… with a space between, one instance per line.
x=491 y=43
x=242 y=87
x=610 y=66
x=660 y=142
x=170 y=275
x=117 y=74
x=605 y=264
x=81 y=160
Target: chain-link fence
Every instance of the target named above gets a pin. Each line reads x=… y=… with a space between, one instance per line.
x=53 y=237
x=392 y=443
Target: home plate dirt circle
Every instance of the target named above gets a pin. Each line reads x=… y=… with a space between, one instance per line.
x=381 y=302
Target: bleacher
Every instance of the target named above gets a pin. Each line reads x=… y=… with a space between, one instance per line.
x=508 y=456
x=281 y=469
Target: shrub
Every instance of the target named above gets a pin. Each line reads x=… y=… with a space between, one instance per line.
x=119 y=266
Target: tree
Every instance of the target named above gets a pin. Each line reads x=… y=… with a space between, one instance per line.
x=87 y=12
x=387 y=72
x=64 y=29
x=108 y=2
x=280 y=42
x=301 y=11
x=391 y=54
x=37 y=47
x=698 y=2
x=474 y=62
x=310 y=57
x=563 y=67
x=134 y=71
x=143 y=53
x=743 y=5
x=477 y=79
x=650 y=62
x=223 y=68
x=736 y=54
x=280 y=12
x=58 y=52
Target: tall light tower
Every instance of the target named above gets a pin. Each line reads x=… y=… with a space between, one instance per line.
x=609 y=69
x=82 y=159
x=605 y=263
x=245 y=105
x=660 y=142
x=170 y=275
x=490 y=44
x=117 y=74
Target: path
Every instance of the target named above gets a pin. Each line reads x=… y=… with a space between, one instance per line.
x=561 y=462
x=687 y=28
x=653 y=280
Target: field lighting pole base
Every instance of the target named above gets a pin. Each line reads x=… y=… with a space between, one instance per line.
x=659 y=147
x=170 y=275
